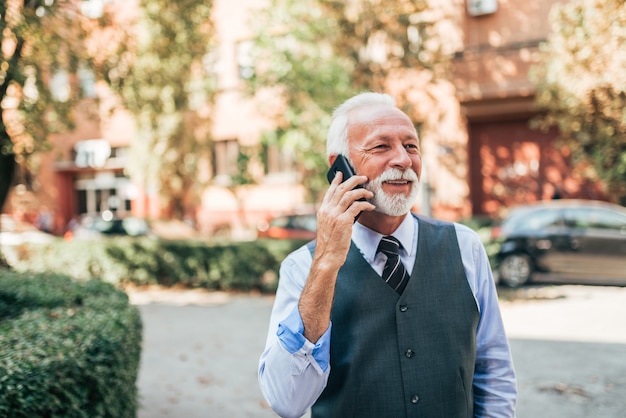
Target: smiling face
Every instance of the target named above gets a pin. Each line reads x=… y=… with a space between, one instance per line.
x=384 y=147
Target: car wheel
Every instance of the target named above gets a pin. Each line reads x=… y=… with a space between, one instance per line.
x=515 y=270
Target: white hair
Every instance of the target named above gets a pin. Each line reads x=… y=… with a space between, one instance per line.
x=337 y=137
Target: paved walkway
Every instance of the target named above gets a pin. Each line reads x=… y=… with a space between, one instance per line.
x=200 y=355
x=201 y=351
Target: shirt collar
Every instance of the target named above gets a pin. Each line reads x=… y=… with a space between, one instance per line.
x=367 y=240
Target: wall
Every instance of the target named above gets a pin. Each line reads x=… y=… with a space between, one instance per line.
x=509 y=162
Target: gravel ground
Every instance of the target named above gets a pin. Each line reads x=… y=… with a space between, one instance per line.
x=200 y=352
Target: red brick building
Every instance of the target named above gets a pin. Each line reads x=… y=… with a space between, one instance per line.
x=487 y=158
x=509 y=163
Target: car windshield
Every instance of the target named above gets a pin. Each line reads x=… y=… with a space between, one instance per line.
x=307 y=222
x=128 y=226
x=135 y=226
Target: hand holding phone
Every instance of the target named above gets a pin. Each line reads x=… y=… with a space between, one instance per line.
x=341 y=164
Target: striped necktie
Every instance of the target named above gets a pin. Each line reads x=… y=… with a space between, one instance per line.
x=394 y=273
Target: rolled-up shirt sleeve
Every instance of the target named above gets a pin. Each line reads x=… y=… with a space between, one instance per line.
x=292 y=370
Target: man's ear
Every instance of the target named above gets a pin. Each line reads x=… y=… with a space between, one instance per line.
x=331 y=159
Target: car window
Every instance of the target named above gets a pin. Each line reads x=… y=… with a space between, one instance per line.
x=135 y=226
x=613 y=220
x=280 y=222
x=307 y=222
x=531 y=220
x=100 y=225
x=599 y=218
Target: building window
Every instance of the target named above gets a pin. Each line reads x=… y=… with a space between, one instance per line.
x=481 y=7
x=93 y=9
x=225 y=155
x=61 y=89
x=87 y=80
x=279 y=159
x=92 y=153
x=119 y=156
x=60 y=86
x=103 y=191
x=245 y=62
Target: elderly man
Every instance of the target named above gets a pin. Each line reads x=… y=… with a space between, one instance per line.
x=394 y=315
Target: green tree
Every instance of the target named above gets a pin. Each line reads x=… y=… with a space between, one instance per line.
x=166 y=82
x=317 y=53
x=581 y=86
x=46 y=48
x=44 y=44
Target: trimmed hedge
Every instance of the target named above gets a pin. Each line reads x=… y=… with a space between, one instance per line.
x=67 y=348
x=230 y=266
x=483 y=225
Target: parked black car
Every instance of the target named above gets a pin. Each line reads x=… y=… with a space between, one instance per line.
x=97 y=227
x=573 y=241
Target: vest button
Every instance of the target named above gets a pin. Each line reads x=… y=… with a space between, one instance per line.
x=404 y=308
x=409 y=353
x=415 y=399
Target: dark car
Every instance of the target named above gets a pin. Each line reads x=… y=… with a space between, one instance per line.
x=573 y=241
x=96 y=227
x=293 y=226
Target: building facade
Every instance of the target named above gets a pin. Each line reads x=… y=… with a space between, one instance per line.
x=495 y=160
x=509 y=162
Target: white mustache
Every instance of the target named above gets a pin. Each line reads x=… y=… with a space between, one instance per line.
x=397 y=174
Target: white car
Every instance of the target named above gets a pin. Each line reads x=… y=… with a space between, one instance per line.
x=14 y=233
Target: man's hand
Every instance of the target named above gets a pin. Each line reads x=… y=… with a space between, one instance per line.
x=335 y=218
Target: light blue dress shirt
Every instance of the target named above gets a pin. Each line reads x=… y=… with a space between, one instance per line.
x=293 y=371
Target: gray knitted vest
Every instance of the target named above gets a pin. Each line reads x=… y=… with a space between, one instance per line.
x=409 y=355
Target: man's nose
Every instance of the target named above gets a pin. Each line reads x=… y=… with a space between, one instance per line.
x=400 y=157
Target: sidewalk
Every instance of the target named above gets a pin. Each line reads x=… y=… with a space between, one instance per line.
x=201 y=351
x=200 y=354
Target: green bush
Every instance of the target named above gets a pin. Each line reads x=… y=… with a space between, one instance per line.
x=484 y=225
x=67 y=348
x=228 y=266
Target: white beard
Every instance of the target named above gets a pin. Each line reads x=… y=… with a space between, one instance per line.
x=393 y=204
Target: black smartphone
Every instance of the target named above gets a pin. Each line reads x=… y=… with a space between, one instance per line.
x=342 y=164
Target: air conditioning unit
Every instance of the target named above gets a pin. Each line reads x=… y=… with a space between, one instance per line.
x=481 y=7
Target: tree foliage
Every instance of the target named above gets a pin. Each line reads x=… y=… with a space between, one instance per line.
x=316 y=54
x=44 y=45
x=581 y=86
x=166 y=82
